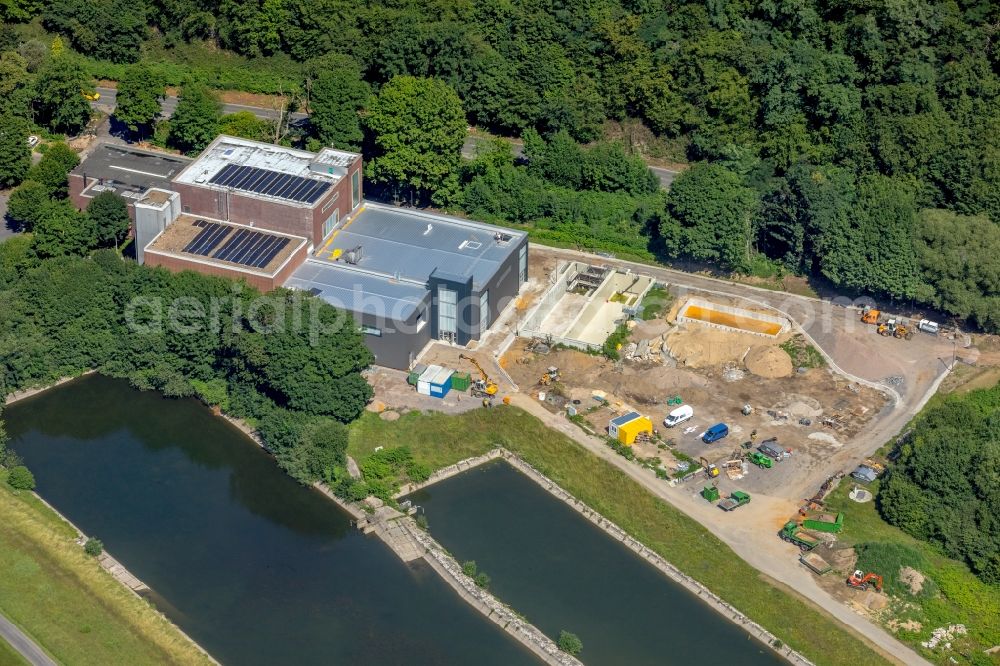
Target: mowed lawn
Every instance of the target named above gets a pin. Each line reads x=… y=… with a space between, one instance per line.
x=440 y=440
x=71 y=607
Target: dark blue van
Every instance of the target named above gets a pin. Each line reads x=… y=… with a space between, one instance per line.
x=715 y=433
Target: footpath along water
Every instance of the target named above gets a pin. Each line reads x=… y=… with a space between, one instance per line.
x=255 y=567
x=562 y=572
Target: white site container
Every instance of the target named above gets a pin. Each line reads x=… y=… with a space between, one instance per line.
x=426 y=379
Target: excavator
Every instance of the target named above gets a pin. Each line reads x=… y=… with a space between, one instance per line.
x=860 y=580
x=484 y=387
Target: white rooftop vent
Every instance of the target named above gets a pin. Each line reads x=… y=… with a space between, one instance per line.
x=430 y=228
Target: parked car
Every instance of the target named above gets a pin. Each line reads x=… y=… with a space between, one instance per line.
x=33 y=141
x=678 y=416
x=715 y=433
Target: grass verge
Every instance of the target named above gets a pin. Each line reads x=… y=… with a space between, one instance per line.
x=803 y=354
x=438 y=440
x=67 y=603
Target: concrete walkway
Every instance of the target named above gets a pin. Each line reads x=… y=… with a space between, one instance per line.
x=20 y=642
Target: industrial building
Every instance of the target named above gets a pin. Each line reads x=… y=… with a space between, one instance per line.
x=275 y=216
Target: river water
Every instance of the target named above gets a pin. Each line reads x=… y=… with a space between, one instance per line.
x=563 y=573
x=256 y=568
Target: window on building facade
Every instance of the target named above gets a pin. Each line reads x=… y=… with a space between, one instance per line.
x=446 y=312
x=355 y=188
x=522 y=262
x=331 y=223
x=484 y=310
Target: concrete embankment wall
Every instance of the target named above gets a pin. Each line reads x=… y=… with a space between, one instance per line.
x=675 y=574
x=451 y=470
x=118 y=571
x=521 y=630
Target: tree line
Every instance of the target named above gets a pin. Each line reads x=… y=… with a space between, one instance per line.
x=945 y=487
x=213 y=339
x=846 y=140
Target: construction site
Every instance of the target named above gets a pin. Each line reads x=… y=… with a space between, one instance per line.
x=730 y=365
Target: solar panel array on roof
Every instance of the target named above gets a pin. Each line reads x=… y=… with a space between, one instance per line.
x=208 y=238
x=251 y=248
x=270 y=183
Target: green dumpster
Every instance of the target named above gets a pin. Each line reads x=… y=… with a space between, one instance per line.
x=460 y=381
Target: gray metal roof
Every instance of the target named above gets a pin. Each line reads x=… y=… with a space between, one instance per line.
x=130 y=167
x=359 y=291
x=414 y=244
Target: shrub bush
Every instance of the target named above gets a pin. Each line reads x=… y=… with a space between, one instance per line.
x=93 y=547
x=570 y=643
x=21 y=478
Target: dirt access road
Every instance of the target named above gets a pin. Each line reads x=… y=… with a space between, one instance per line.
x=908 y=371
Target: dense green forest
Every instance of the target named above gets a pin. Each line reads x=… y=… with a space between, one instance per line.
x=854 y=140
x=188 y=335
x=945 y=487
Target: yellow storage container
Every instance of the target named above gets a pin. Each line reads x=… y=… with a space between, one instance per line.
x=627 y=432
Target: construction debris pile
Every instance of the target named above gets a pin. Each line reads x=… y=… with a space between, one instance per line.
x=648 y=349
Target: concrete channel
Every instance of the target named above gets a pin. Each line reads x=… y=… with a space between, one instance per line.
x=707 y=596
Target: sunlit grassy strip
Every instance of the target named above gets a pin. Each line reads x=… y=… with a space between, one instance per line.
x=439 y=440
x=70 y=606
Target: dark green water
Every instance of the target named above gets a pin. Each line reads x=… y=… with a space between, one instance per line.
x=256 y=568
x=562 y=572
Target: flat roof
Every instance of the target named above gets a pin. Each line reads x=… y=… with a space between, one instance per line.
x=358 y=291
x=413 y=244
x=179 y=236
x=327 y=167
x=124 y=168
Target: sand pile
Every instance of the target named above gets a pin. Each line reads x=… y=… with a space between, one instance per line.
x=705 y=347
x=769 y=362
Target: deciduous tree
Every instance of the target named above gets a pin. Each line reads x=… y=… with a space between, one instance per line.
x=27 y=202
x=419 y=128
x=59 y=101
x=15 y=155
x=710 y=212
x=140 y=93
x=109 y=219
x=336 y=99
x=195 y=122
x=62 y=230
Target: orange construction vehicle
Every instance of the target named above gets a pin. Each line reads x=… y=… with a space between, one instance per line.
x=870 y=315
x=860 y=580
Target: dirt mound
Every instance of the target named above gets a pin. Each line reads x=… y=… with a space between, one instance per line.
x=702 y=347
x=912 y=578
x=769 y=362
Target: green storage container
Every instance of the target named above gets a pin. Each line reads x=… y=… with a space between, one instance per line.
x=460 y=381
x=415 y=373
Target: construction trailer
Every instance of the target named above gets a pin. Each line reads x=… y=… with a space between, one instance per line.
x=435 y=381
x=627 y=427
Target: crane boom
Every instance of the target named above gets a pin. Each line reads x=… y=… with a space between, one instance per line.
x=486 y=385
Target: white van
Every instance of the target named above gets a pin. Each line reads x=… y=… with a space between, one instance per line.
x=679 y=415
